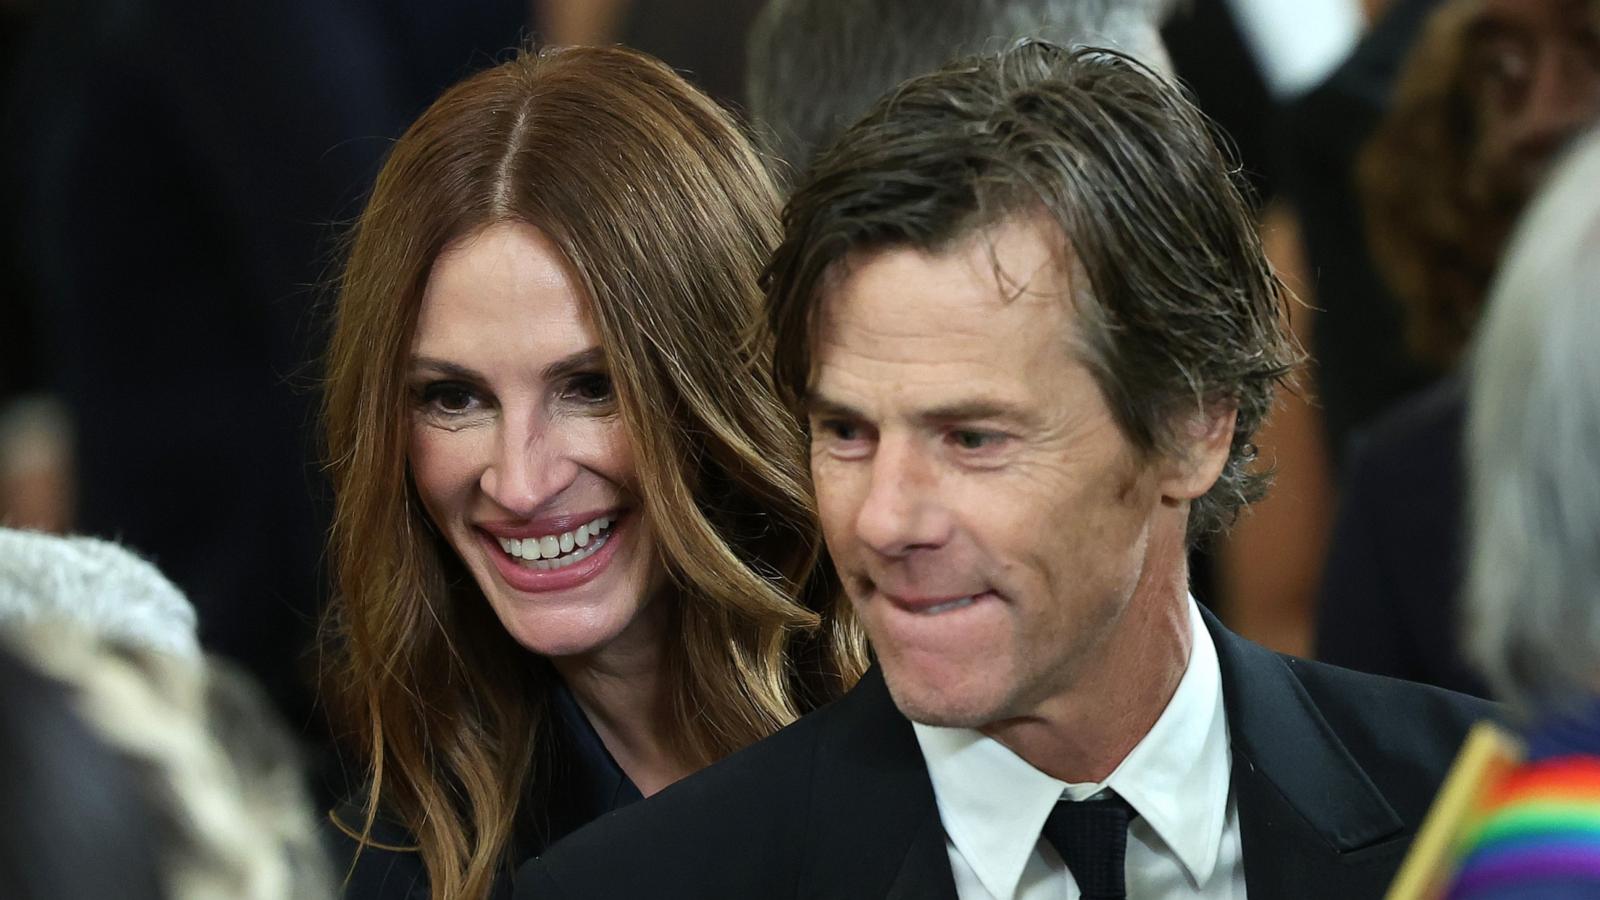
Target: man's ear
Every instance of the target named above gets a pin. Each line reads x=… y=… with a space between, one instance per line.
x=1205 y=439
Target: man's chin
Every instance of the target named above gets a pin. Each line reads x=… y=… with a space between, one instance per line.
x=958 y=704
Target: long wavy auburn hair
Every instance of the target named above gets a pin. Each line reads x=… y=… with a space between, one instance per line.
x=666 y=216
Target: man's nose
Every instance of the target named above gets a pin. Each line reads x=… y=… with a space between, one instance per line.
x=531 y=466
x=902 y=510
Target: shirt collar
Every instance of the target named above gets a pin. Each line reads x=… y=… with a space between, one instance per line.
x=993 y=803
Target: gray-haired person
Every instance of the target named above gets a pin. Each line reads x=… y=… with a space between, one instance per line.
x=1023 y=312
x=100 y=585
x=1532 y=600
x=814 y=66
x=187 y=745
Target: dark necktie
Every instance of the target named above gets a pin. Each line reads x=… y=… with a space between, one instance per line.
x=1092 y=838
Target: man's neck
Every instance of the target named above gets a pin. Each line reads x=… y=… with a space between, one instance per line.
x=1116 y=696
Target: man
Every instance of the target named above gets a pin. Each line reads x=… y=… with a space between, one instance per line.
x=1026 y=316
x=814 y=66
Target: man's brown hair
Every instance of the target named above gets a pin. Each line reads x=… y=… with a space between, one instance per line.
x=1181 y=313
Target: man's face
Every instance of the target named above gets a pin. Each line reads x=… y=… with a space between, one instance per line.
x=1534 y=75
x=987 y=516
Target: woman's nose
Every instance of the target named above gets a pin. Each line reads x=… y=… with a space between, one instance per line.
x=530 y=468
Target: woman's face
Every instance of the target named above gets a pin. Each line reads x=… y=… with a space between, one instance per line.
x=518 y=451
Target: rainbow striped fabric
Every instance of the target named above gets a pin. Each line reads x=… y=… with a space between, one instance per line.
x=1533 y=834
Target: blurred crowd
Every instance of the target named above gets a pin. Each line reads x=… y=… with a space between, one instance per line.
x=178 y=182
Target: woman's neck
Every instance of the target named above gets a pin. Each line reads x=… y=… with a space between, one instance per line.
x=625 y=692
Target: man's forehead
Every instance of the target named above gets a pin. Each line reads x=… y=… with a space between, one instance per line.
x=998 y=263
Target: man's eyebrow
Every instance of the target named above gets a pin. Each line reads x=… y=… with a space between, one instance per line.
x=824 y=407
x=974 y=410
x=945 y=414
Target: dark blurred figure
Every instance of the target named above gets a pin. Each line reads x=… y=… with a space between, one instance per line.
x=18 y=368
x=1210 y=55
x=704 y=40
x=814 y=66
x=75 y=824
x=136 y=773
x=1261 y=575
x=1362 y=363
x=183 y=165
x=35 y=463
x=1493 y=90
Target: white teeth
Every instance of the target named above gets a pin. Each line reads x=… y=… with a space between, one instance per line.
x=957 y=603
x=558 y=550
x=579 y=555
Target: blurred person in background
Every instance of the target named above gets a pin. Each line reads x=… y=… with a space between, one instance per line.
x=1531 y=603
x=572 y=521
x=135 y=768
x=1247 y=61
x=814 y=66
x=703 y=40
x=1361 y=364
x=183 y=785
x=76 y=823
x=179 y=165
x=36 y=483
x=103 y=587
x=1493 y=91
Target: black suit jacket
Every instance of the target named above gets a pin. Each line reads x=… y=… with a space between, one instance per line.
x=1390 y=590
x=1332 y=771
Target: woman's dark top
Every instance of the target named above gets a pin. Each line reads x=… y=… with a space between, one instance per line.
x=576 y=781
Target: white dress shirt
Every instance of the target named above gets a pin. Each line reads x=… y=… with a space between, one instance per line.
x=1184 y=843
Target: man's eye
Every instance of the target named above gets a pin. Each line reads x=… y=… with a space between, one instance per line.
x=973 y=440
x=839 y=429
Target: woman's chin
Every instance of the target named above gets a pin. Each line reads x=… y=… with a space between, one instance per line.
x=562 y=633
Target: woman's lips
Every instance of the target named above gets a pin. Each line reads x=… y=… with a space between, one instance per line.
x=532 y=559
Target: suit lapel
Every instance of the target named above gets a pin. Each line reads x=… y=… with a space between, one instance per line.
x=1313 y=825
x=873 y=823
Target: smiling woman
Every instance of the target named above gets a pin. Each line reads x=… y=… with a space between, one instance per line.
x=574 y=540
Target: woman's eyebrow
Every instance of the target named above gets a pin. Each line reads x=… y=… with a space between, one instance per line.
x=444 y=367
x=582 y=361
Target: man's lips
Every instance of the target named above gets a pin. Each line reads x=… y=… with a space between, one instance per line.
x=934 y=604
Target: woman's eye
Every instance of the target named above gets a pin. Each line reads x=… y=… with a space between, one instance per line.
x=593 y=387
x=449 y=398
